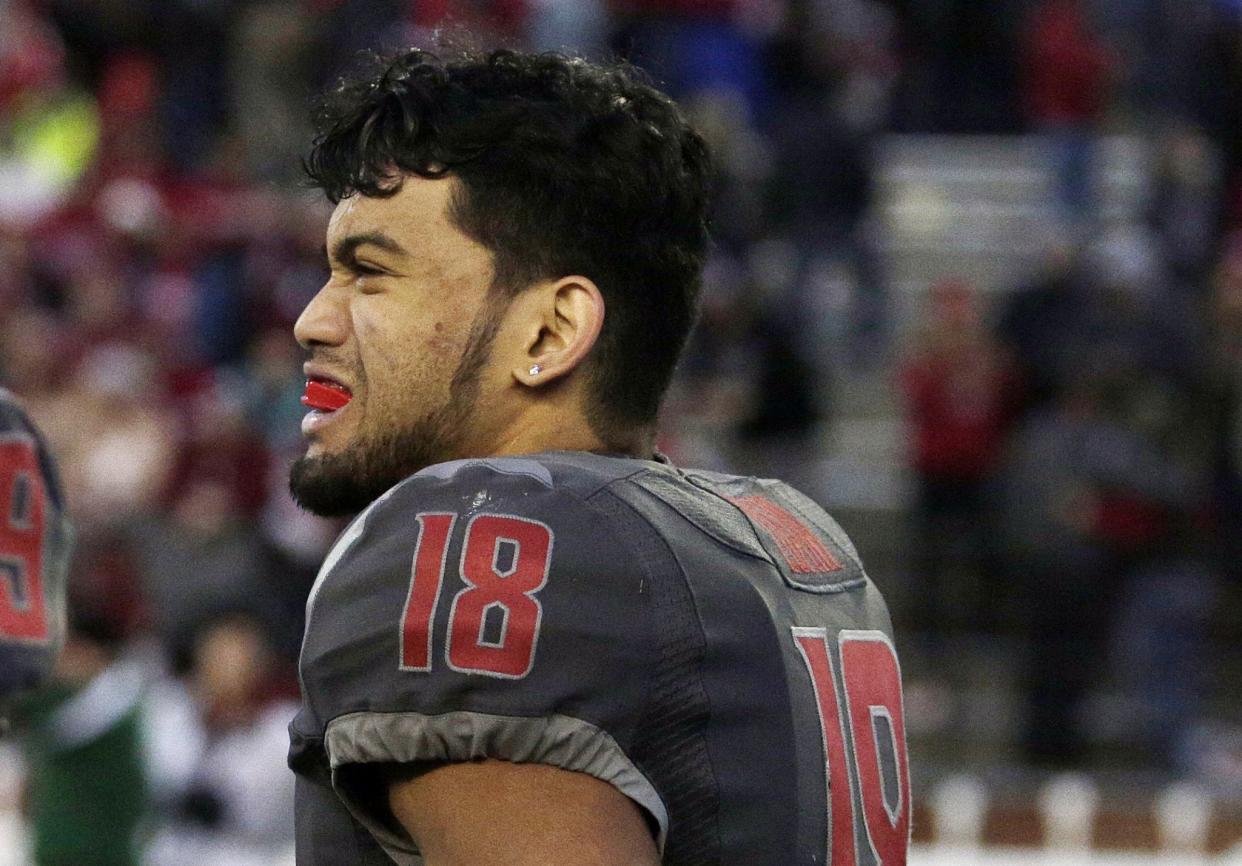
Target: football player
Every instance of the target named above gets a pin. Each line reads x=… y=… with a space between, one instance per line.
x=35 y=543
x=539 y=642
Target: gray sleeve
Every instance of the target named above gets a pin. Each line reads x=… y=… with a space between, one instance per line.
x=403 y=737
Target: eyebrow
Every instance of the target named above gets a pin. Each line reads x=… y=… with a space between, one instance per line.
x=344 y=250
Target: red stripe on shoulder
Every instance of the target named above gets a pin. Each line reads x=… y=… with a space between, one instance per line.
x=804 y=552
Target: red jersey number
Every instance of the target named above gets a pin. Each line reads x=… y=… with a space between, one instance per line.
x=864 y=743
x=494 y=621
x=23 y=614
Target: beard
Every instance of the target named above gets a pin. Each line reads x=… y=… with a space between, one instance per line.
x=342 y=484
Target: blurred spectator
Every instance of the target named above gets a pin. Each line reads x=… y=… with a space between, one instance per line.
x=1105 y=485
x=785 y=402
x=1107 y=492
x=48 y=128
x=833 y=89
x=216 y=745
x=1110 y=305
x=1068 y=71
x=222 y=446
x=32 y=348
x=106 y=570
x=271 y=62
x=86 y=789
x=202 y=554
x=1068 y=576
x=271 y=386
x=115 y=444
x=193 y=41
x=960 y=392
x=1185 y=209
x=1036 y=320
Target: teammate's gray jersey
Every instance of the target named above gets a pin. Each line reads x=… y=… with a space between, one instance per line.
x=35 y=545
x=709 y=645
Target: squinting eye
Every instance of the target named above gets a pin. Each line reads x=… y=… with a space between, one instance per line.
x=366 y=270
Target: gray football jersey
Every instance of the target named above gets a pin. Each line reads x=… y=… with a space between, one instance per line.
x=709 y=645
x=36 y=541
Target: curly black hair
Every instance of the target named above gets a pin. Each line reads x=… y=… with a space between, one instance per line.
x=564 y=167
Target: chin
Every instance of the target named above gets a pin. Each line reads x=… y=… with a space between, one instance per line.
x=342 y=480
x=331 y=485
x=345 y=469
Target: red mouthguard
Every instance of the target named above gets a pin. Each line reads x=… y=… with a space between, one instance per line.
x=324 y=397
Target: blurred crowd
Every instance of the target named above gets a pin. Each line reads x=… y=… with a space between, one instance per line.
x=1075 y=441
x=1074 y=437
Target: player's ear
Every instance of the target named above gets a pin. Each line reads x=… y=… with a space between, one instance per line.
x=560 y=330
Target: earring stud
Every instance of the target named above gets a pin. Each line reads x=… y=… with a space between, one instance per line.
x=535 y=369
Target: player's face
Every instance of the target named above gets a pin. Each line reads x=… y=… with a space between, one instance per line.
x=398 y=339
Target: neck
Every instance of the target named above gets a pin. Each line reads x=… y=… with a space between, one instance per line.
x=535 y=432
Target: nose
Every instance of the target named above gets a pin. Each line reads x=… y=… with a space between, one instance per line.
x=325 y=321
